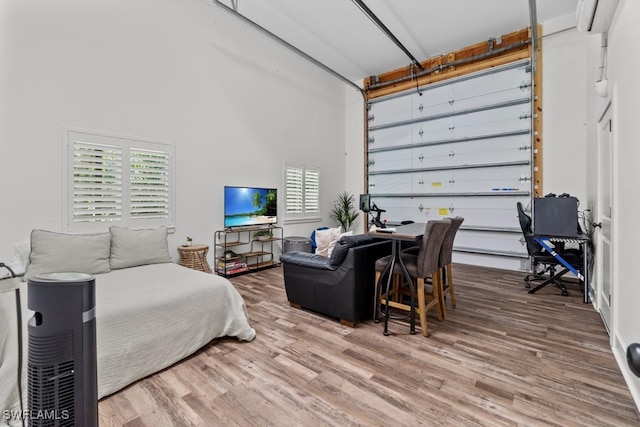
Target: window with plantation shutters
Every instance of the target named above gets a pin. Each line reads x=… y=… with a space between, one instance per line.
x=117 y=181
x=302 y=192
x=96 y=182
x=148 y=184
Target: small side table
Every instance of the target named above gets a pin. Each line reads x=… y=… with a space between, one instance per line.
x=195 y=257
x=296 y=243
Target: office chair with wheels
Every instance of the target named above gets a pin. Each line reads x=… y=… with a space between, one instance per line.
x=541 y=258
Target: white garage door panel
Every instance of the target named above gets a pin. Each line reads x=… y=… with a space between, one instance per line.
x=487 y=212
x=498 y=120
x=401 y=209
x=433 y=130
x=493 y=98
x=410 y=106
x=391 y=183
x=391 y=160
x=506 y=81
x=505 y=263
x=390 y=111
x=432 y=102
x=504 y=149
x=432 y=156
x=489 y=216
x=391 y=137
x=492 y=241
x=433 y=182
x=480 y=180
x=425 y=208
x=513 y=118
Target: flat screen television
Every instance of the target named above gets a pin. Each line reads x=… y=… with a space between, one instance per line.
x=246 y=206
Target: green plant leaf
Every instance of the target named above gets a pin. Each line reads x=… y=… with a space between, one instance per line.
x=343 y=211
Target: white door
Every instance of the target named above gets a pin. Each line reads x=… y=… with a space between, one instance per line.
x=605 y=203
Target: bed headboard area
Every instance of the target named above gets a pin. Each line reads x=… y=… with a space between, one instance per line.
x=99 y=253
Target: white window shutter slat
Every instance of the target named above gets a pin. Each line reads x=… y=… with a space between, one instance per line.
x=117 y=180
x=97 y=182
x=302 y=191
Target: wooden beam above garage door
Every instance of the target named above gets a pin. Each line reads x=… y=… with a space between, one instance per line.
x=494 y=52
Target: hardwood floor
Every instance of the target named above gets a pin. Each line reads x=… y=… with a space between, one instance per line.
x=502 y=357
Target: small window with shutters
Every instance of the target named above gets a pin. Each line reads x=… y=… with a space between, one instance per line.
x=302 y=192
x=114 y=180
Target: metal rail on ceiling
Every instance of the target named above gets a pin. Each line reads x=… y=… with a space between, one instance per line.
x=286 y=44
x=533 y=17
x=365 y=9
x=372 y=16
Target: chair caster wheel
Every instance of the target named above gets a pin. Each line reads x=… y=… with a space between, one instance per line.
x=527 y=285
x=386 y=334
x=565 y=293
x=376 y=320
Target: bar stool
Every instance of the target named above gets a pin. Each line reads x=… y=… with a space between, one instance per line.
x=421 y=267
x=444 y=262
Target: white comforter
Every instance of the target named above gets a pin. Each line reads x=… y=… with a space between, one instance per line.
x=147 y=318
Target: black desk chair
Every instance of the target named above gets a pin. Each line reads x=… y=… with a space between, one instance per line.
x=540 y=257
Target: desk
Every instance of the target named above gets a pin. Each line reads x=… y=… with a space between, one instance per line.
x=407 y=233
x=584 y=241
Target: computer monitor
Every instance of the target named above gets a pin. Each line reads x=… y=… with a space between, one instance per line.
x=365 y=202
x=555 y=216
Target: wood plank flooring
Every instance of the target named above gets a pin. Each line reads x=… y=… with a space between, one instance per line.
x=501 y=358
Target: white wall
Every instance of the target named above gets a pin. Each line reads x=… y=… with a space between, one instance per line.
x=235 y=104
x=571 y=110
x=355 y=152
x=563 y=105
x=623 y=70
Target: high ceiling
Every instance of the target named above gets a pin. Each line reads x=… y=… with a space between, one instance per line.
x=338 y=34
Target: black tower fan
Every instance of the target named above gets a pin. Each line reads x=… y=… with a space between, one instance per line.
x=62 y=371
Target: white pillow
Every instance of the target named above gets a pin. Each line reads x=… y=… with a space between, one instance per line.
x=20 y=260
x=325 y=238
x=130 y=248
x=332 y=245
x=59 y=253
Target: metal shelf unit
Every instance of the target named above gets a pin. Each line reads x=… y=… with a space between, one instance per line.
x=253 y=254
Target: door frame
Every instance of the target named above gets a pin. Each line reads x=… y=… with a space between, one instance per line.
x=607 y=116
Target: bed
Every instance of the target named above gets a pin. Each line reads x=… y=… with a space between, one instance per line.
x=147 y=318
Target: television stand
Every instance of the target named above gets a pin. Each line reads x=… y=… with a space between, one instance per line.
x=238 y=251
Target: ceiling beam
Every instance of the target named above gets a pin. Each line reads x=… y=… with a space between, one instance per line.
x=372 y=16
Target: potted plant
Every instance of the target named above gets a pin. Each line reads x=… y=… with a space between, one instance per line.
x=343 y=211
x=263 y=235
x=189 y=241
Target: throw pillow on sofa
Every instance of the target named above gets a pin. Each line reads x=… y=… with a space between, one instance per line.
x=130 y=248
x=332 y=245
x=59 y=253
x=327 y=238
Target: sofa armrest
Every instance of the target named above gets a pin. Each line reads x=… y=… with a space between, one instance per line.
x=306 y=259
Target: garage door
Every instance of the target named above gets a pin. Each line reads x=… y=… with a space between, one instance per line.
x=462 y=147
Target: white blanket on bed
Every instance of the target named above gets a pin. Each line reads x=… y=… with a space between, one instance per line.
x=147 y=318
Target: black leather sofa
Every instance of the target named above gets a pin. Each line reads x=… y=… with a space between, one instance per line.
x=341 y=286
